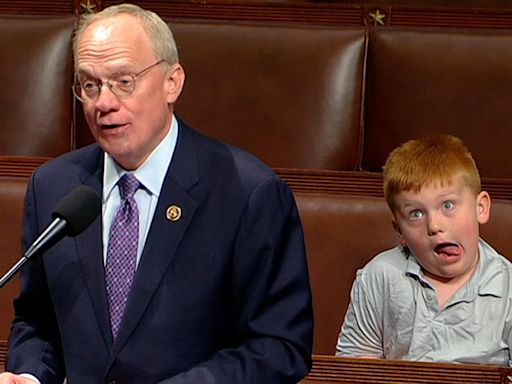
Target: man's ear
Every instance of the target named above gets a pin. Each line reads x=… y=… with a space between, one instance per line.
x=175 y=79
x=483 y=207
x=397 y=229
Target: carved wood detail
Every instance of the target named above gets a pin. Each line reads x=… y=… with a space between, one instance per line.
x=87 y=6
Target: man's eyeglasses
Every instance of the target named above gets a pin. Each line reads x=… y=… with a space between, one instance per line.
x=121 y=84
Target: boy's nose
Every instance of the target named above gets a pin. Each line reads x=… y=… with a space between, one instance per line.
x=434 y=225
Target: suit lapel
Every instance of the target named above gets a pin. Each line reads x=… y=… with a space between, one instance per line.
x=90 y=251
x=165 y=234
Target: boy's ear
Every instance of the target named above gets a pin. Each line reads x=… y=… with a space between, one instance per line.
x=397 y=229
x=483 y=207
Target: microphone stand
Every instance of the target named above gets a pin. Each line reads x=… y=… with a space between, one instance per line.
x=11 y=272
x=53 y=233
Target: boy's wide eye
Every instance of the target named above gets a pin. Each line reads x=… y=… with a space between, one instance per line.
x=448 y=205
x=415 y=215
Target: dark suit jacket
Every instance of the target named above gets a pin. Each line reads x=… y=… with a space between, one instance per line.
x=220 y=296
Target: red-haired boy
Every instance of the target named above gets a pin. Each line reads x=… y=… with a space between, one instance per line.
x=443 y=294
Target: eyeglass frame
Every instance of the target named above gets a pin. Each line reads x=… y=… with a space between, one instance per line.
x=78 y=87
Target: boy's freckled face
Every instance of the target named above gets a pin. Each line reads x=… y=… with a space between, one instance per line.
x=440 y=225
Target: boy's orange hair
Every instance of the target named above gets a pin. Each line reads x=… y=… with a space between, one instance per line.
x=437 y=159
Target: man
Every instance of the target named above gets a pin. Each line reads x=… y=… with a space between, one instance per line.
x=220 y=292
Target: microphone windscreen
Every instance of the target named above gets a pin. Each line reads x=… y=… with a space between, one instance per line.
x=79 y=209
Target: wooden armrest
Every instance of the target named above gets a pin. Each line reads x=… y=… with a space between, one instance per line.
x=329 y=369
x=3 y=354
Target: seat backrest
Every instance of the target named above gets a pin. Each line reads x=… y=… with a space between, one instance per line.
x=343 y=233
x=290 y=95
x=36 y=77
x=12 y=193
x=421 y=81
x=497 y=231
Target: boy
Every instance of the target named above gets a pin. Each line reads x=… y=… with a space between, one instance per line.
x=443 y=294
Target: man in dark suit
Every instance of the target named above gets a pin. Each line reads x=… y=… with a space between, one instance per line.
x=220 y=292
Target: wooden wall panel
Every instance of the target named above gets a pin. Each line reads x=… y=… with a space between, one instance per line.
x=37 y=7
x=376 y=13
x=385 y=13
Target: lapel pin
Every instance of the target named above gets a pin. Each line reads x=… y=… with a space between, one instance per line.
x=173 y=213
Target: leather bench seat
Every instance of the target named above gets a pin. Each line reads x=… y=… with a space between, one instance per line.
x=36 y=103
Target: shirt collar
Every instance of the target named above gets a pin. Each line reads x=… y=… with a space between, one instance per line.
x=491 y=273
x=151 y=173
x=487 y=279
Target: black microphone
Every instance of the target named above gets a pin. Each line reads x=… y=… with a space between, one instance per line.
x=71 y=216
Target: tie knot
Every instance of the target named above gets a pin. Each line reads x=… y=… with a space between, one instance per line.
x=129 y=185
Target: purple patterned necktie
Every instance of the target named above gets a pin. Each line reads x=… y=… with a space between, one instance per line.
x=122 y=251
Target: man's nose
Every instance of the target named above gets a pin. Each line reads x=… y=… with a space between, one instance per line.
x=106 y=99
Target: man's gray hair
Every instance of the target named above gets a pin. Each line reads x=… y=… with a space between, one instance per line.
x=157 y=30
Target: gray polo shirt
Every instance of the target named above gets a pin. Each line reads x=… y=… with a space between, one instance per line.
x=394 y=313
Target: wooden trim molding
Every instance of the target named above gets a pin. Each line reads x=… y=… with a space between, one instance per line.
x=331 y=369
x=280 y=11
x=19 y=166
x=326 y=13
x=3 y=354
x=36 y=7
x=355 y=183
x=361 y=183
x=331 y=13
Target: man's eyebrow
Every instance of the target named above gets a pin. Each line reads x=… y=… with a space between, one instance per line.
x=83 y=73
x=124 y=69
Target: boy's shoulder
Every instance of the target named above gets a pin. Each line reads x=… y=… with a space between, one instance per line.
x=389 y=263
x=492 y=256
x=388 y=275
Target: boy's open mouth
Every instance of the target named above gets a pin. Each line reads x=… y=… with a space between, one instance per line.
x=448 y=249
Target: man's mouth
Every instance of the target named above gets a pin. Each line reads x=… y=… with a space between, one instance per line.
x=111 y=126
